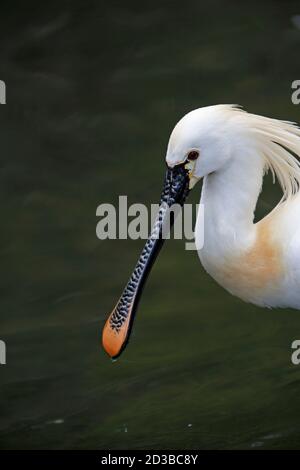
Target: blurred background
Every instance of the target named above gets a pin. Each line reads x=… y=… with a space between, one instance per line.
x=93 y=92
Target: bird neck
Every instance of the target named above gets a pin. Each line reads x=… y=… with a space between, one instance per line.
x=229 y=197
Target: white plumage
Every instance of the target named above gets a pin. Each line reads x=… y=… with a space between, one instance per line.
x=259 y=262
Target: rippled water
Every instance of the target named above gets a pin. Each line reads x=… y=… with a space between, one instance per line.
x=92 y=95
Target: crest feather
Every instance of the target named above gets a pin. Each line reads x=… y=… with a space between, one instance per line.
x=279 y=143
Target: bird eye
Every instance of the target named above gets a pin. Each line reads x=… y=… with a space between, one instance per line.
x=193 y=155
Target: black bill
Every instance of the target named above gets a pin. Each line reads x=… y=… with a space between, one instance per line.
x=116 y=331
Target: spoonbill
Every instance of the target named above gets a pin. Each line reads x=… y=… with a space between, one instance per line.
x=257 y=262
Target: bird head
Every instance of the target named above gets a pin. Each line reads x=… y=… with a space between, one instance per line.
x=197 y=143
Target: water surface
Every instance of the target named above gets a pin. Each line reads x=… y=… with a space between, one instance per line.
x=93 y=92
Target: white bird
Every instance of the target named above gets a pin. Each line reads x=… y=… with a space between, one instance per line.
x=231 y=150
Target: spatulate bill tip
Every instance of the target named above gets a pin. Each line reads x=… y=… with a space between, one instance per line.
x=114 y=340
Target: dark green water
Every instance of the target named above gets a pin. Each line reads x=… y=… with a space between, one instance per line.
x=93 y=92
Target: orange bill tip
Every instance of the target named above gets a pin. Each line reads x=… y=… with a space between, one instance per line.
x=114 y=340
